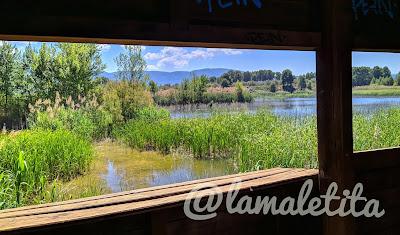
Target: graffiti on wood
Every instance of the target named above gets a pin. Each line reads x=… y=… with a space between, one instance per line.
x=224 y=4
x=267 y=38
x=387 y=8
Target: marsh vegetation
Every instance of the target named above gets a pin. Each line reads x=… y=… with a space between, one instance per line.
x=69 y=133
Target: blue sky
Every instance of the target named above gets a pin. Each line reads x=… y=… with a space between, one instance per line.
x=188 y=59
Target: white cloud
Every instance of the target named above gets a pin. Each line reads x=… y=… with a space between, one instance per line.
x=226 y=51
x=143 y=47
x=181 y=57
x=104 y=47
x=152 y=67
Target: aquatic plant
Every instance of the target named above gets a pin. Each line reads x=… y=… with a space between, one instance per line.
x=31 y=160
x=256 y=141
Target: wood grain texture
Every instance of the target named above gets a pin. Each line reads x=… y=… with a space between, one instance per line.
x=283 y=24
x=334 y=106
x=140 y=203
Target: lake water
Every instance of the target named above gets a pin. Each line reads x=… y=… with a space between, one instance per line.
x=299 y=107
x=120 y=168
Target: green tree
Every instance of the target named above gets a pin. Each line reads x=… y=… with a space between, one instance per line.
x=287 y=81
x=302 y=84
x=397 y=82
x=8 y=67
x=240 y=92
x=225 y=83
x=199 y=88
x=377 y=72
x=386 y=72
x=246 y=76
x=310 y=76
x=124 y=99
x=153 y=87
x=40 y=71
x=362 y=76
x=278 y=76
x=131 y=65
x=386 y=81
x=77 y=67
x=309 y=85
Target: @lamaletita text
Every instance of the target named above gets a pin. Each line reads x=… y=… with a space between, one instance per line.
x=203 y=202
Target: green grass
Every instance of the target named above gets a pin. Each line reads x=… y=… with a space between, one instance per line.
x=32 y=161
x=376 y=91
x=379 y=130
x=255 y=141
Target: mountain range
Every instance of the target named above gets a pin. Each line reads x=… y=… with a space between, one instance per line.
x=162 y=78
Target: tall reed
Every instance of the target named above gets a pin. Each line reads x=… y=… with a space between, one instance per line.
x=31 y=160
x=256 y=141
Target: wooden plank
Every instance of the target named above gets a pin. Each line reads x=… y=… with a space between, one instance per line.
x=380 y=179
x=32 y=221
x=138 y=191
x=174 y=221
x=133 y=196
x=376 y=159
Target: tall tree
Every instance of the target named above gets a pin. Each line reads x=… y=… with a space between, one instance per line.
x=40 y=71
x=77 y=67
x=8 y=66
x=302 y=84
x=131 y=65
x=153 y=87
x=386 y=72
x=287 y=80
x=377 y=72
x=397 y=82
x=362 y=76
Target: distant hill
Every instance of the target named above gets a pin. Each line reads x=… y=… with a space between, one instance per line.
x=162 y=78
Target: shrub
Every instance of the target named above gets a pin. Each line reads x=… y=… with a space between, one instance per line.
x=122 y=99
x=86 y=118
x=152 y=114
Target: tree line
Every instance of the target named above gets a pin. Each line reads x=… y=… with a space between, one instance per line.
x=284 y=79
x=365 y=76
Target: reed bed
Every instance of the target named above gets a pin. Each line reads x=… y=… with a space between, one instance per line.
x=378 y=130
x=256 y=141
x=32 y=161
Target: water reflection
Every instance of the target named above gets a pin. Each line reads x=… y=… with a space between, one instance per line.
x=129 y=169
x=297 y=107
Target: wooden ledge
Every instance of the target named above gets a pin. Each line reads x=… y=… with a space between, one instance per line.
x=138 y=201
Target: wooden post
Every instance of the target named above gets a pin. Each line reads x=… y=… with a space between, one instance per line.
x=334 y=88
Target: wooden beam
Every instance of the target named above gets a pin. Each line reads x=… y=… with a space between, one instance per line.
x=197 y=36
x=334 y=106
